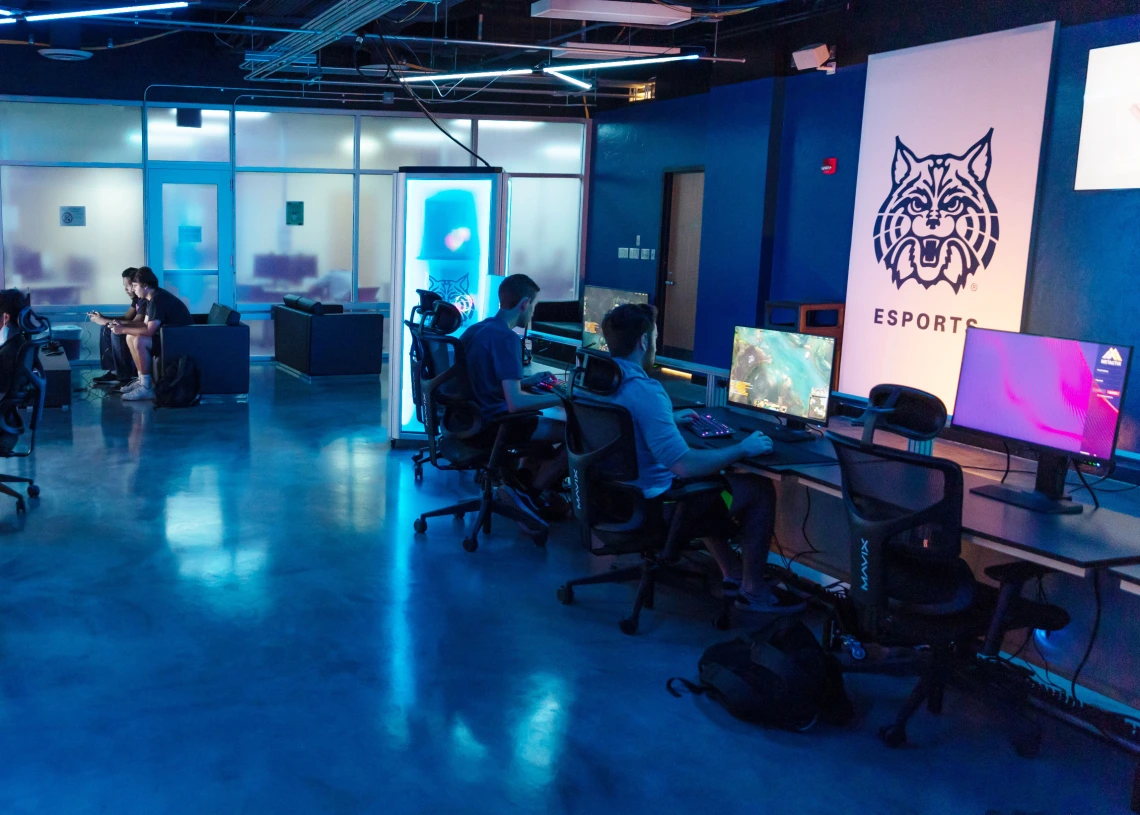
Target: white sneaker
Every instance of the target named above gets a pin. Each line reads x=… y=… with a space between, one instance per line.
x=134 y=384
x=139 y=394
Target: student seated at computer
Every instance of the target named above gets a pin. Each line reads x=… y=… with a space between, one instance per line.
x=495 y=370
x=11 y=335
x=664 y=459
x=113 y=352
x=162 y=308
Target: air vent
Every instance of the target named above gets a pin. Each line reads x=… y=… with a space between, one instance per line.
x=65 y=54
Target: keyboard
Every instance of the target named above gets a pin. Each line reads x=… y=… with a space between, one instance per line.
x=706 y=427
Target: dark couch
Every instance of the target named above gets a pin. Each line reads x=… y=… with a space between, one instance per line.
x=317 y=339
x=219 y=345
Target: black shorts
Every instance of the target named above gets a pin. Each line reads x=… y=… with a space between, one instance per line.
x=704 y=517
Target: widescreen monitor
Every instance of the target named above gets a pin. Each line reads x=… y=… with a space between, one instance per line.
x=597 y=302
x=782 y=373
x=1053 y=394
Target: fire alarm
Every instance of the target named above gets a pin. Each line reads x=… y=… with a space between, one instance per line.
x=829 y=165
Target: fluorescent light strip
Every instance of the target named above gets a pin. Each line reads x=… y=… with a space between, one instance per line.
x=103 y=12
x=7 y=20
x=5 y=13
x=578 y=82
x=621 y=63
x=474 y=75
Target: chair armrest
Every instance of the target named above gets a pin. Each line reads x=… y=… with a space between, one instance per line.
x=691 y=491
x=1019 y=572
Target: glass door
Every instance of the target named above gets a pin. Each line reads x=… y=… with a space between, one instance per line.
x=190 y=234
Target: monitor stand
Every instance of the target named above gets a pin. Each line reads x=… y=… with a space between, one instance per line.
x=794 y=431
x=1049 y=495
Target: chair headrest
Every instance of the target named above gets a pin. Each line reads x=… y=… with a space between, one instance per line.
x=443 y=318
x=428 y=299
x=32 y=323
x=597 y=372
x=911 y=413
x=314 y=307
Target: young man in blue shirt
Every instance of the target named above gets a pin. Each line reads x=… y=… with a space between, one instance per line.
x=664 y=456
x=495 y=370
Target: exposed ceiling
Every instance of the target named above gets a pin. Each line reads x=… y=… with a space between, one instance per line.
x=353 y=52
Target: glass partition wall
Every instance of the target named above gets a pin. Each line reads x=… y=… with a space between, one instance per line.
x=244 y=206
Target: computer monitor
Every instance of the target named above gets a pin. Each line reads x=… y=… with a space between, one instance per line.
x=782 y=373
x=1060 y=397
x=597 y=302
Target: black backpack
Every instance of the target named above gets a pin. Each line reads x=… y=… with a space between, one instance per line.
x=777 y=676
x=178 y=386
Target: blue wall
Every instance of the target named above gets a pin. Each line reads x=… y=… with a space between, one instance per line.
x=823 y=118
x=725 y=132
x=1083 y=280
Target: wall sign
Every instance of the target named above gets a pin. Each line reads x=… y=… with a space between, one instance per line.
x=294 y=213
x=73 y=216
x=944 y=204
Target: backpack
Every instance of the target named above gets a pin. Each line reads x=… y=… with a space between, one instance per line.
x=178 y=386
x=777 y=676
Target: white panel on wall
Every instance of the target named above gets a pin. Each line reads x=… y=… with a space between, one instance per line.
x=943 y=205
x=1109 y=157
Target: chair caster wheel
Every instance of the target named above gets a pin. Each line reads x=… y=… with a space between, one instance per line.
x=419 y=474
x=33 y=491
x=540 y=537
x=420 y=526
x=628 y=626
x=21 y=507
x=722 y=621
x=470 y=544
x=459 y=516
x=1027 y=745
x=565 y=595
x=892 y=735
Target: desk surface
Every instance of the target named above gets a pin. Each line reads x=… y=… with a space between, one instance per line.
x=1095 y=538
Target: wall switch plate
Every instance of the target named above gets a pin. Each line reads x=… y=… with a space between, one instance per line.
x=645 y=254
x=623 y=253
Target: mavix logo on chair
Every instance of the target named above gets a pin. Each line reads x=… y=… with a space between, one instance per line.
x=944 y=203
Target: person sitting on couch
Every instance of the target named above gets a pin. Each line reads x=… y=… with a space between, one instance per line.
x=162 y=308
x=113 y=351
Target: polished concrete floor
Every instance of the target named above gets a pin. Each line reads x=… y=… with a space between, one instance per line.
x=225 y=610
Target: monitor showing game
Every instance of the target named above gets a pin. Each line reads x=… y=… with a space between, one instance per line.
x=597 y=302
x=783 y=373
x=1062 y=395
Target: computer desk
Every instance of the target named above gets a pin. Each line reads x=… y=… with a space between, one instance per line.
x=1075 y=544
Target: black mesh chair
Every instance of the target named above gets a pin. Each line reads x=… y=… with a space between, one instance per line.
x=460 y=439
x=25 y=395
x=614 y=517
x=910 y=586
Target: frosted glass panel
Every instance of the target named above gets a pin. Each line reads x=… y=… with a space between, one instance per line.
x=393 y=142
x=374 y=273
x=544 y=233
x=275 y=259
x=532 y=147
x=260 y=337
x=35 y=131
x=190 y=226
x=197 y=291
x=306 y=140
x=70 y=265
x=166 y=141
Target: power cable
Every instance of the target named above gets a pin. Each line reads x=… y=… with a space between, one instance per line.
x=1092 y=637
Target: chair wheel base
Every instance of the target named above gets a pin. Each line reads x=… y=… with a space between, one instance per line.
x=628 y=626
x=470 y=544
x=892 y=735
x=33 y=491
x=420 y=526
x=565 y=595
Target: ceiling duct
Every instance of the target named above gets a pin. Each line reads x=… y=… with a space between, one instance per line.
x=611 y=11
x=339 y=20
x=594 y=50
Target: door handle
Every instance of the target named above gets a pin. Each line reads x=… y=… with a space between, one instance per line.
x=670 y=283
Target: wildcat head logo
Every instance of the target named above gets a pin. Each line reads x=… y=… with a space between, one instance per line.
x=939 y=222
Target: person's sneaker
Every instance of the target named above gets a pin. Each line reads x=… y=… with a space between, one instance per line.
x=139 y=394
x=770 y=603
x=127 y=387
x=108 y=378
x=729 y=587
x=520 y=501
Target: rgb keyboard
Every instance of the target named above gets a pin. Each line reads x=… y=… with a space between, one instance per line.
x=706 y=427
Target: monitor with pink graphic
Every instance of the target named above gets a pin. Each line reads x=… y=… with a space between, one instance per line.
x=1061 y=395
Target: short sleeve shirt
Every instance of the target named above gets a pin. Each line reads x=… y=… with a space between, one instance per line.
x=139 y=305
x=494 y=355
x=167 y=309
x=659 y=442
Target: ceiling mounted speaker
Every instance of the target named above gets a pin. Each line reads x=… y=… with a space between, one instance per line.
x=65 y=54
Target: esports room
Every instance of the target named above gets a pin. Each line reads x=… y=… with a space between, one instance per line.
x=569 y=406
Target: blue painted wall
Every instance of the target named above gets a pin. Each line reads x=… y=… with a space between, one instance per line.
x=1083 y=280
x=823 y=118
x=725 y=132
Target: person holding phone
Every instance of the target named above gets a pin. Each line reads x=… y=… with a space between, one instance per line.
x=114 y=355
